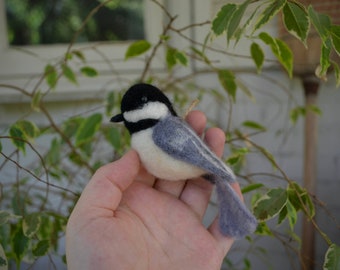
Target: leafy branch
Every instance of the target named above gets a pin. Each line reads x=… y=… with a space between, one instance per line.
x=304 y=202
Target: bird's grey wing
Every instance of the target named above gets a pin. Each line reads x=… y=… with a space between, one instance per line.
x=177 y=139
x=174 y=136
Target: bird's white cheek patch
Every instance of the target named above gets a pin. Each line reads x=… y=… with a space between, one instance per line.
x=159 y=163
x=151 y=110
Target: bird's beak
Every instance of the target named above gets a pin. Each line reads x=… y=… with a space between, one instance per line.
x=117 y=118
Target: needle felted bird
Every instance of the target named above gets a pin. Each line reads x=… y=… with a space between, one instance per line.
x=169 y=149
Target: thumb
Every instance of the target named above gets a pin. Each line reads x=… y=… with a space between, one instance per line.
x=106 y=186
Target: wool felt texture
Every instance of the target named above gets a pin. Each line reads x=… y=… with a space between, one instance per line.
x=182 y=142
x=162 y=138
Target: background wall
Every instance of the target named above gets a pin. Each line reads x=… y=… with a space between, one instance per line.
x=285 y=141
x=274 y=96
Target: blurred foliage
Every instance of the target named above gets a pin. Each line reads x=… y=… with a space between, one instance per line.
x=32 y=22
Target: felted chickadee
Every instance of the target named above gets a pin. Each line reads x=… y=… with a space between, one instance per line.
x=169 y=149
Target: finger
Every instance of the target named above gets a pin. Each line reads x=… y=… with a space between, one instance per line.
x=224 y=242
x=215 y=139
x=237 y=189
x=197 y=121
x=197 y=192
x=108 y=183
x=145 y=177
x=171 y=187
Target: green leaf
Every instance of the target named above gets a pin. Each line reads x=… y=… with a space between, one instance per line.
x=245 y=89
x=257 y=55
x=291 y=215
x=41 y=248
x=253 y=125
x=247 y=264
x=321 y=22
x=36 y=99
x=325 y=63
x=251 y=187
x=68 y=56
x=201 y=55
x=332 y=258
x=54 y=153
x=170 y=57
x=113 y=136
x=269 y=40
x=234 y=159
x=137 y=48
x=71 y=126
x=239 y=33
x=181 y=57
x=282 y=215
x=17 y=138
x=237 y=158
x=89 y=71
x=263 y=229
x=227 y=80
x=241 y=150
x=335 y=34
x=68 y=73
x=110 y=102
x=296 y=194
x=315 y=109
x=270 y=204
x=296 y=20
x=174 y=56
x=221 y=21
x=280 y=50
x=79 y=55
x=3 y=259
x=337 y=73
x=29 y=129
x=51 y=76
x=164 y=37
x=296 y=113
x=88 y=128
x=31 y=224
x=19 y=244
x=269 y=13
x=236 y=19
x=4 y=217
x=285 y=56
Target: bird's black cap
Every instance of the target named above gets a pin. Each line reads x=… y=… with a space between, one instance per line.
x=137 y=96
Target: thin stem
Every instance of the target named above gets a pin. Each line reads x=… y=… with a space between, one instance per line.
x=16 y=88
x=35 y=176
x=155 y=48
x=81 y=28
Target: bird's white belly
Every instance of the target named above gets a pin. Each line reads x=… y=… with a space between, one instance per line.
x=159 y=163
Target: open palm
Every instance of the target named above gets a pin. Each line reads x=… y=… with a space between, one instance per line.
x=127 y=219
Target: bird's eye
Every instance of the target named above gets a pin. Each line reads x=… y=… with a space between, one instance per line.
x=144 y=99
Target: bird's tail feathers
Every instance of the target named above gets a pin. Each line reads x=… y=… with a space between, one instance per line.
x=235 y=219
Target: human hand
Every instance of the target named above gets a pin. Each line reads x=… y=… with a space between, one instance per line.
x=127 y=219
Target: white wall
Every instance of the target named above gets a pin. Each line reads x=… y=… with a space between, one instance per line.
x=273 y=100
x=286 y=143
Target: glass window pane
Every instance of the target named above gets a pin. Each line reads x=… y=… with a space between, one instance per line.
x=32 y=22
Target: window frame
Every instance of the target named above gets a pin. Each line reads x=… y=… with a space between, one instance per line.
x=24 y=65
